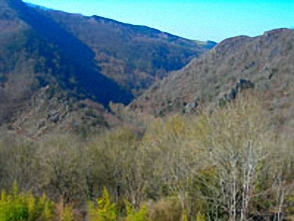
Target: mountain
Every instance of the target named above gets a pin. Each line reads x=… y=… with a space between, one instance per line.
x=62 y=70
x=41 y=80
x=133 y=56
x=265 y=61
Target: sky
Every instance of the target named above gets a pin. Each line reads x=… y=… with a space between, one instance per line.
x=201 y=20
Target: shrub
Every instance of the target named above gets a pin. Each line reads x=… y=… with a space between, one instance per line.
x=24 y=206
x=104 y=210
x=133 y=215
x=168 y=209
x=67 y=214
x=200 y=217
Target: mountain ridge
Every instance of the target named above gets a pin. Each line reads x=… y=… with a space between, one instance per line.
x=134 y=56
x=47 y=49
x=264 y=60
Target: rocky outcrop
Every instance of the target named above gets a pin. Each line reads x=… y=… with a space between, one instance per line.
x=241 y=85
x=190 y=106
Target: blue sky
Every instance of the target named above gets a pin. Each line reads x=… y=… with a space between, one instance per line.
x=198 y=20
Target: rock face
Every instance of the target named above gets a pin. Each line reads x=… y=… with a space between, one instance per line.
x=241 y=85
x=53 y=116
x=189 y=107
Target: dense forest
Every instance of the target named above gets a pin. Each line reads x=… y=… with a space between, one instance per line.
x=226 y=163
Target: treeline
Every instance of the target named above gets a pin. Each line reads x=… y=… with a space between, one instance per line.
x=231 y=163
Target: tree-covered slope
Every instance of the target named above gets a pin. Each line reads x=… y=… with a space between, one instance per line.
x=134 y=56
x=46 y=75
x=55 y=62
x=266 y=61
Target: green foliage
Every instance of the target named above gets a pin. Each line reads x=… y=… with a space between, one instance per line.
x=200 y=217
x=104 y=210
x=133 y=215
x=67 y=214
x=24 y=206
x=185 y=216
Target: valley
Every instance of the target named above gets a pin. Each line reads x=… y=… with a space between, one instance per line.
x=102 y=120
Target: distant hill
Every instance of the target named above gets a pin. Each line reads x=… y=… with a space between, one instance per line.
x=266 y=61
x=56 y=65
x=133 y=56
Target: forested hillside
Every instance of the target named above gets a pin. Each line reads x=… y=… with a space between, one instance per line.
x=229 y=164
x=54 y=77
x=133 y=56
x=266 y=61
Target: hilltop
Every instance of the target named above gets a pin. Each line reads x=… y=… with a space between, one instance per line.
x=266 y=61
